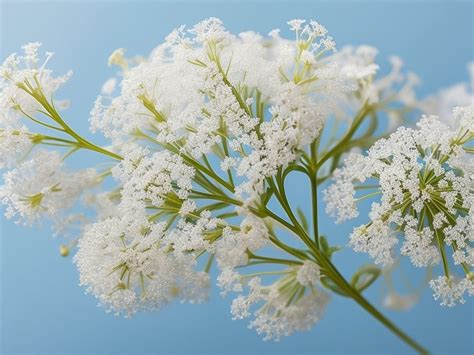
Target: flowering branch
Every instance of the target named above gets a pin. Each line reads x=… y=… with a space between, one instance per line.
x=204 y=134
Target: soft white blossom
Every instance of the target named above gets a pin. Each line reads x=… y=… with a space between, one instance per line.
x=22 y=73
x=424 y=180
x=276 y=318
x=124 y=262
x=308 y=274
x=14 y=144
x=451 y=290
x=41 y=187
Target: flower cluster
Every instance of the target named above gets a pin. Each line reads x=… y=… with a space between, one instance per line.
x=292 y=303
x=20 y=75
x=219 y=99
x=128 y=264
x=151 y=179
x=40 y=187
x=425 y=179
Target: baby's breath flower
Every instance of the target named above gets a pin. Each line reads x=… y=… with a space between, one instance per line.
x=279 y=313
x=451 y=290
x=20 y=74
x=153 y=179
x=125 y=263
x=308 y=274
x=14 y=144
x=40 y=187
x=424 y=177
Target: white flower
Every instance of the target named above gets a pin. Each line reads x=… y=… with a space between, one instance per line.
x=210 y=30
x=276 y=317
x=125 y=264
x=40 y=187
x=376 y=239
x=308 y=274
x=118 y=58
x=231 y=248
x=187 y=207
x=451 y=290
x=153 y=179
x=339 y=197
x=229 y=280
x=106 y=204
x=424 y=179
x=14 y=144
x=444 y=101
x=209 y=103
x=109 y=86
x=228 y=163
x=255 y=106
x=190 y=237
x=19 y=74
x=296 y=24
x=359 y=62
x=358 y=65
x=418 y=245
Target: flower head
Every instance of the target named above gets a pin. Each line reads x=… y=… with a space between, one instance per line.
x=125 y=263
x=424 y=178
x=40 y=187
x=284 y=306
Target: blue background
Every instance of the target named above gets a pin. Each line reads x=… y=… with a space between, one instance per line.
x=43 y=310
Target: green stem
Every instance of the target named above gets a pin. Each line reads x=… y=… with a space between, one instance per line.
x=51 y=112
x=273 y=260
x=223 y=198
x=337 y=277
x=313 y=177
x=190 y=161
x=387 y=323
x=346 y=139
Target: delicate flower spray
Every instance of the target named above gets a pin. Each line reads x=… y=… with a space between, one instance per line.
x=204 y=134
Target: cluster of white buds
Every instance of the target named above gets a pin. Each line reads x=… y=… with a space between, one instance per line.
x=127 y=262
x=293 y=303
x=425 y=180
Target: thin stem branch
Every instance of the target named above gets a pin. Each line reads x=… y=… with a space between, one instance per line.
x=346 y=139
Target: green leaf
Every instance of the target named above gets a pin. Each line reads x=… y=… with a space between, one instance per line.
x=327 y=250
x=333 y=249
x=217 y=150
x=331 y=285
x=365 y=277
x=324 y=243
x=267 y=195
x=303 y=220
